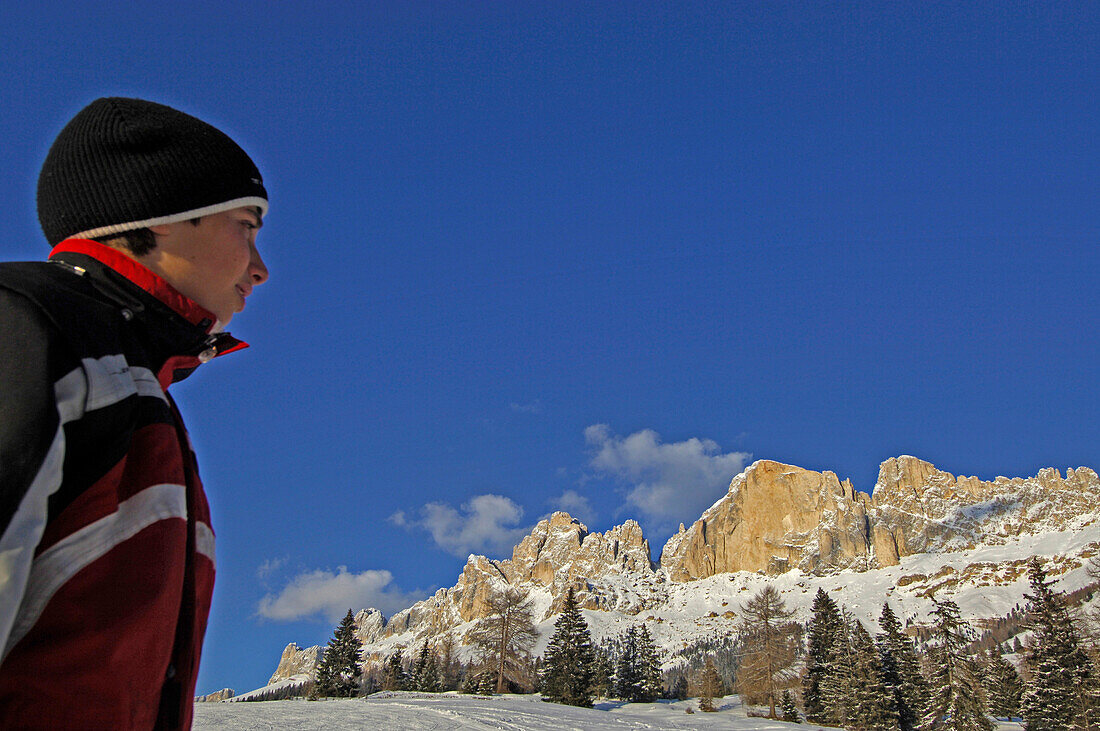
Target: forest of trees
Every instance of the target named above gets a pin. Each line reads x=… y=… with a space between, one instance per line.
x=830 y=671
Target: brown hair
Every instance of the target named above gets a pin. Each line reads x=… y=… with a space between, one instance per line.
x=138 y=242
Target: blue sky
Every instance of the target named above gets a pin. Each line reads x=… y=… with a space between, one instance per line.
x=599 y=256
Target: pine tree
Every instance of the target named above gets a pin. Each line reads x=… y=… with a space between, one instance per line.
x=679 y=689
x=567 y=672
x=650 y=667
x=425 y=672
x=393 y=675
x=1003 y=686
x=765 y=638
x=486 y=682
x=339 y=670
x=838 y=686
x=602 y=672
x=901 y=674
x=469 y=682
x=823 y=628
x=627 y=677
x=1058 y=695
x=710 y=686
x=638 y=671
x=790 y=710
x=957 y=701
x=872 y=707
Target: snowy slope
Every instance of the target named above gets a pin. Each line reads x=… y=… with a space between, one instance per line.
x=438 y=712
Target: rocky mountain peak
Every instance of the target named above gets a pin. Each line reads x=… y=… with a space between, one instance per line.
x=909 y=483
x=297 y=661
x=924 y=508
x=774 y=517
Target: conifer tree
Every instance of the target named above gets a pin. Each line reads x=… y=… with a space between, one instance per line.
x=393 y=675
x=765 y=638
x=837 y=687
x=567 y=672
x=679 y=689
x=339 y=670
x=710 y=686
x=602 y=672
x=872 y=707
x=790 y=710
x=469 y=684
x=425 y=672
x=1003 y=686
x=486 y=682
x=626 y=665
x=957 y=701
x=1058 y=695
x=650 y=666
x=638 y=671
x=901 y=674
x=819 y=656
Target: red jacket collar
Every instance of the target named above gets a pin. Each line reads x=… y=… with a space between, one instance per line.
x=177 y=366
x=140 y=275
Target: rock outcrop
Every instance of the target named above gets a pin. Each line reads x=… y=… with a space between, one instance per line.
x=775 y=517
x=296 y=661
x=219 y=695
x=559 y=553
x=918 y=508
x=369 y=625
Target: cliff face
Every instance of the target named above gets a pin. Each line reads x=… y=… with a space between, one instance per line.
x=919 y=508
x=296 y=661
x=775 y=517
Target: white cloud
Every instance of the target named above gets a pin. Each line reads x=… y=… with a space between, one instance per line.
x=535 y=407
x=270 y=566
x=576 y=505
x=330 y=595
x=487 y=524
x=667 y=481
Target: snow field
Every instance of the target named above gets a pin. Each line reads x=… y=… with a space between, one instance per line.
x=408 y=711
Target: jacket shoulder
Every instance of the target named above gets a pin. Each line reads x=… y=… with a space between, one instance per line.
x=64 y=299
x=37 y=280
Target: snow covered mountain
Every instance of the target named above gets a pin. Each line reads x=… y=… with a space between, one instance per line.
x=920 y=532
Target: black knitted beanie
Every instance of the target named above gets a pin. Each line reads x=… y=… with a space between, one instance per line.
x=123 y=164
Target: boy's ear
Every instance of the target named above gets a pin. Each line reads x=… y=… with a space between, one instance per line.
x=161 y=229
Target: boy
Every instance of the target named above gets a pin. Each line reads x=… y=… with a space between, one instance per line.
x=106 y=550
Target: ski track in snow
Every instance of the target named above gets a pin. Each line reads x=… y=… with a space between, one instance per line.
x=454 y=712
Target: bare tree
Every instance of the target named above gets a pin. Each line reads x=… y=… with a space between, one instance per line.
x=506 y=636
x=447 y=663
x=766 y=640
x=1092 y=568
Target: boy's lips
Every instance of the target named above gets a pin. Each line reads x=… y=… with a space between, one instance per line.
x=243 y=291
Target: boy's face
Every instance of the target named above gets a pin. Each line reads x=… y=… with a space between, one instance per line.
x=214 y=263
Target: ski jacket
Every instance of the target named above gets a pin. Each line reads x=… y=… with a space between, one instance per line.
x=106 y=549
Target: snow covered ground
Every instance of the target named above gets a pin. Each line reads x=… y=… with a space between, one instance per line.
x=444 y=711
